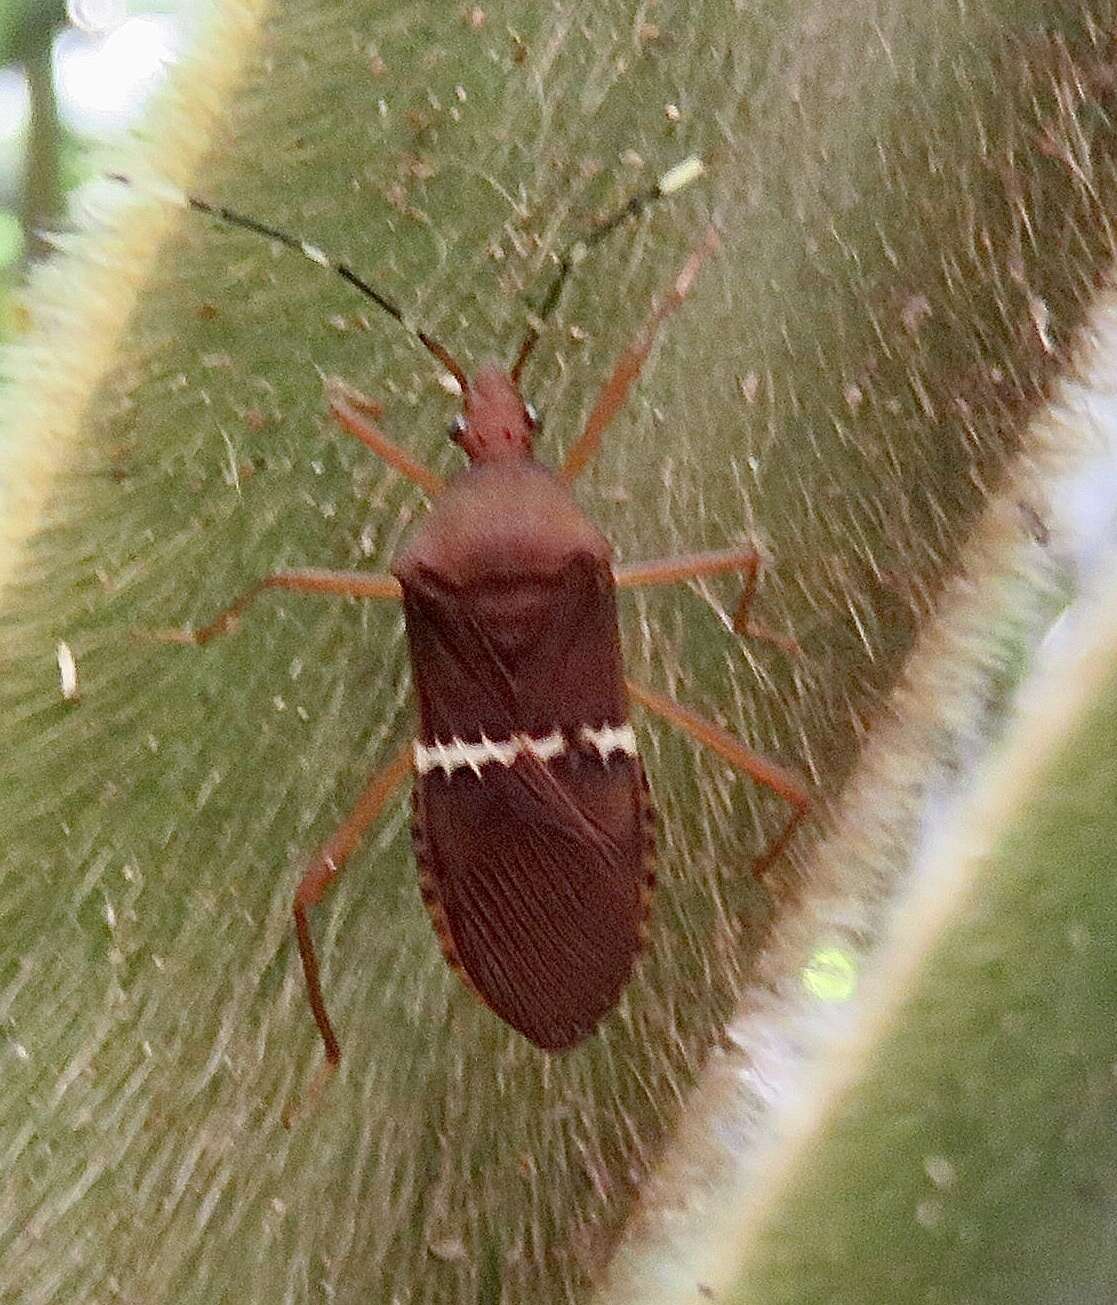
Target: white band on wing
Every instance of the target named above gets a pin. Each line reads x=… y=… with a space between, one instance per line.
x=458 y=754
x=611 y=738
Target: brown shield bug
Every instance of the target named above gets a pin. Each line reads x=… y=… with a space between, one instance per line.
x=532 y=824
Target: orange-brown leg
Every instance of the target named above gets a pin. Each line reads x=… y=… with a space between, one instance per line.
x=320 y=876
x=630 y=363
x=693 y=566
x=780 y=780
x=344 y=584
x=354 y=411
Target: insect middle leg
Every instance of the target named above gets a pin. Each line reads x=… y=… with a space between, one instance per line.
x=630 y=363
x=764 y=771
x=693 y=566
x=320 y=875
x=311 y=580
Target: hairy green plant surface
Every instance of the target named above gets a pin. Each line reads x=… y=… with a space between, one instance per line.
x=955 y=1141
x=966 y=1148
x=911 y=231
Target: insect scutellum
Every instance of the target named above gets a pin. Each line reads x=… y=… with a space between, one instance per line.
x=495 y=421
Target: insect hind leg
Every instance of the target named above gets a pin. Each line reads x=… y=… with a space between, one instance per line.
x=759 y=768
x=320 y=876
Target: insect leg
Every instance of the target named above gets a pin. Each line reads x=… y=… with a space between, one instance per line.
x=353 y=412
x=346 y=584
x=693 y=566
x=769 y=773
x=320 y=875
x=629 y=364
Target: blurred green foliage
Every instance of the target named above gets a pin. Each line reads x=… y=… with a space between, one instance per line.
x=43 y=161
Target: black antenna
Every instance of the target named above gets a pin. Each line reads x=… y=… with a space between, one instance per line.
x=682 y=174
x=231 y=218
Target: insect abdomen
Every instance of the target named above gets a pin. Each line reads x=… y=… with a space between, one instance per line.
x=537 y=876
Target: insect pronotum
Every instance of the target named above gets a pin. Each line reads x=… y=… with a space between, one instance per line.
x=532 y=824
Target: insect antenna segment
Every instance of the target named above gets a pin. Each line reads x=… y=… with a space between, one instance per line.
x=230 y=217
x=674 y=179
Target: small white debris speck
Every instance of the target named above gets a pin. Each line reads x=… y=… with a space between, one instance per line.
x=1078 y=935
x=928 y=1214
x=450 y=1249
x=939 y=1170
x=166 y=192
x=682 y=174
x=67 y=672
x=1041 y=320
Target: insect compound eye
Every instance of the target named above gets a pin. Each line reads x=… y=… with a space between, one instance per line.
x=532 y=416
x=457 y=428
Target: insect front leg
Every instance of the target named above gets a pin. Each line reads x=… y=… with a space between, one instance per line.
x=630 y=364
x=354 y=412
x=320 y=876
x=311 y=580
x=694 y=566
x=769 y=773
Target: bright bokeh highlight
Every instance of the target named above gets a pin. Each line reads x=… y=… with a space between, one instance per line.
x=105 y=80
x=830 y=974
x=97 y=15
x=15 y=104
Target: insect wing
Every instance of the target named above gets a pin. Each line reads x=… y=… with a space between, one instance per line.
x=538 y=872
x=532 y=837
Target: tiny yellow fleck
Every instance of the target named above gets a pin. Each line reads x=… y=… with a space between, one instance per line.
x=831 y=974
